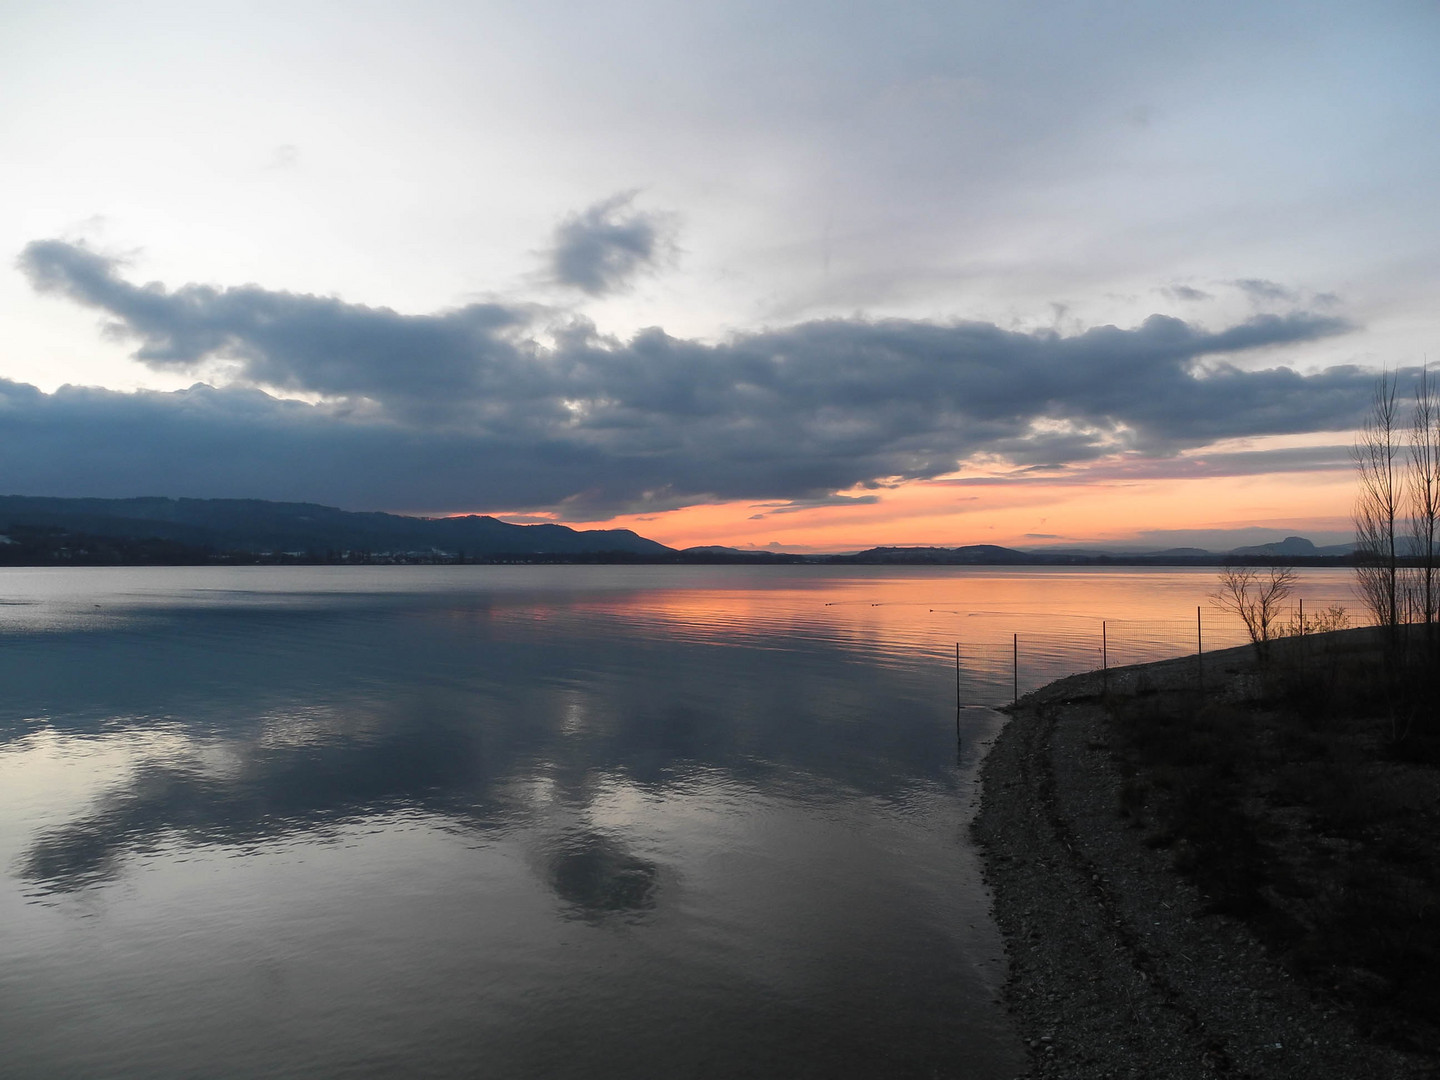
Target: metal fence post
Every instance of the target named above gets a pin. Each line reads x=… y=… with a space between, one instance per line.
x=957 y=693
x=1199 y=651
x=1015 y=663
x=1104 y=658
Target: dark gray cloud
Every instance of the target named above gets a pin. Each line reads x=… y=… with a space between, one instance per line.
x=209 y=442
x=464 y=410
x=601 y=249
x=293 y=341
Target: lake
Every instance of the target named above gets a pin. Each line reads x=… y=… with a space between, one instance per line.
x=524 y=821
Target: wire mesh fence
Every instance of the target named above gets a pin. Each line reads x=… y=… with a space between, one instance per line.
x=1002 y=656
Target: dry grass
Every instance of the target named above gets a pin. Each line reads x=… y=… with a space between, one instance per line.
x=1308 y=804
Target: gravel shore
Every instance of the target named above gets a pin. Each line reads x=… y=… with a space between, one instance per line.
x=1115 y=967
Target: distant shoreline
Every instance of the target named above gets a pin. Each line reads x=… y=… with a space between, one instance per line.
x=123 y=551
x=161 y=531
x=622 y=559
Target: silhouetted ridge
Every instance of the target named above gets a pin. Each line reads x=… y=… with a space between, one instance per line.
x=970 y=555
x=256 y=525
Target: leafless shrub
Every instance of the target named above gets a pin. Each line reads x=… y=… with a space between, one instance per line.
x=1334 y=617
x=1256 y=598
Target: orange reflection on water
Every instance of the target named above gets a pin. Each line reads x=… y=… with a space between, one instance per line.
x=925 y=611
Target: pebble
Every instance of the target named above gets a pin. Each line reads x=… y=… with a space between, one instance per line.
x=1127 y=981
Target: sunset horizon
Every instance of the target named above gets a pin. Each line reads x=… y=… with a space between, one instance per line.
x=912 y=278
x=922 y=519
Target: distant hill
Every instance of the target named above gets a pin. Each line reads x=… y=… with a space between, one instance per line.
x=1083 y=554
x=971 y=555
x=1292 y=547
x=255 y=525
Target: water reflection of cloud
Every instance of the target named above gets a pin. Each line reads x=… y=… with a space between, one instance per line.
x=264 y=792
x=597 y=876
x=287 y=723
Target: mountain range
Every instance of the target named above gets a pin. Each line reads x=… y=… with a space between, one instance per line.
x=163 y=530
x=257 y=526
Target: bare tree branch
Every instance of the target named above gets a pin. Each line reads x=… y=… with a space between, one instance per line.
x=1379 y=506
x=1425 y=496
x=1256 y=599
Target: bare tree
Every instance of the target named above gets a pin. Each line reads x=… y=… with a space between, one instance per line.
x=1379 y=506
x=1256 y=599
x=1425 y=496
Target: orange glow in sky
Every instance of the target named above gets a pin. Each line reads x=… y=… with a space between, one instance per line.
x=1101 y=504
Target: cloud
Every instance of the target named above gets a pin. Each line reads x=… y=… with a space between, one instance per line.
x=1266 y=291
x=795 y=506
x=208 y=442
x=1125 y=467
x=603 y=248
x=1187 y=292
x=465 y=410
x=295 y=342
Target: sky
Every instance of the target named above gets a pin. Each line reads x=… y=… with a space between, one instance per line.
x=816 y=276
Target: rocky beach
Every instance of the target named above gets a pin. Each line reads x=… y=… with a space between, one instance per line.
x=1120 y=965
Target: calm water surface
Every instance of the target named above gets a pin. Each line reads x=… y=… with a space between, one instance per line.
x=515 y=822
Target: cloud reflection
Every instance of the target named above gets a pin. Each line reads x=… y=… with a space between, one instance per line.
x=306 y=720
x=596 y=875
x=269 y=793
